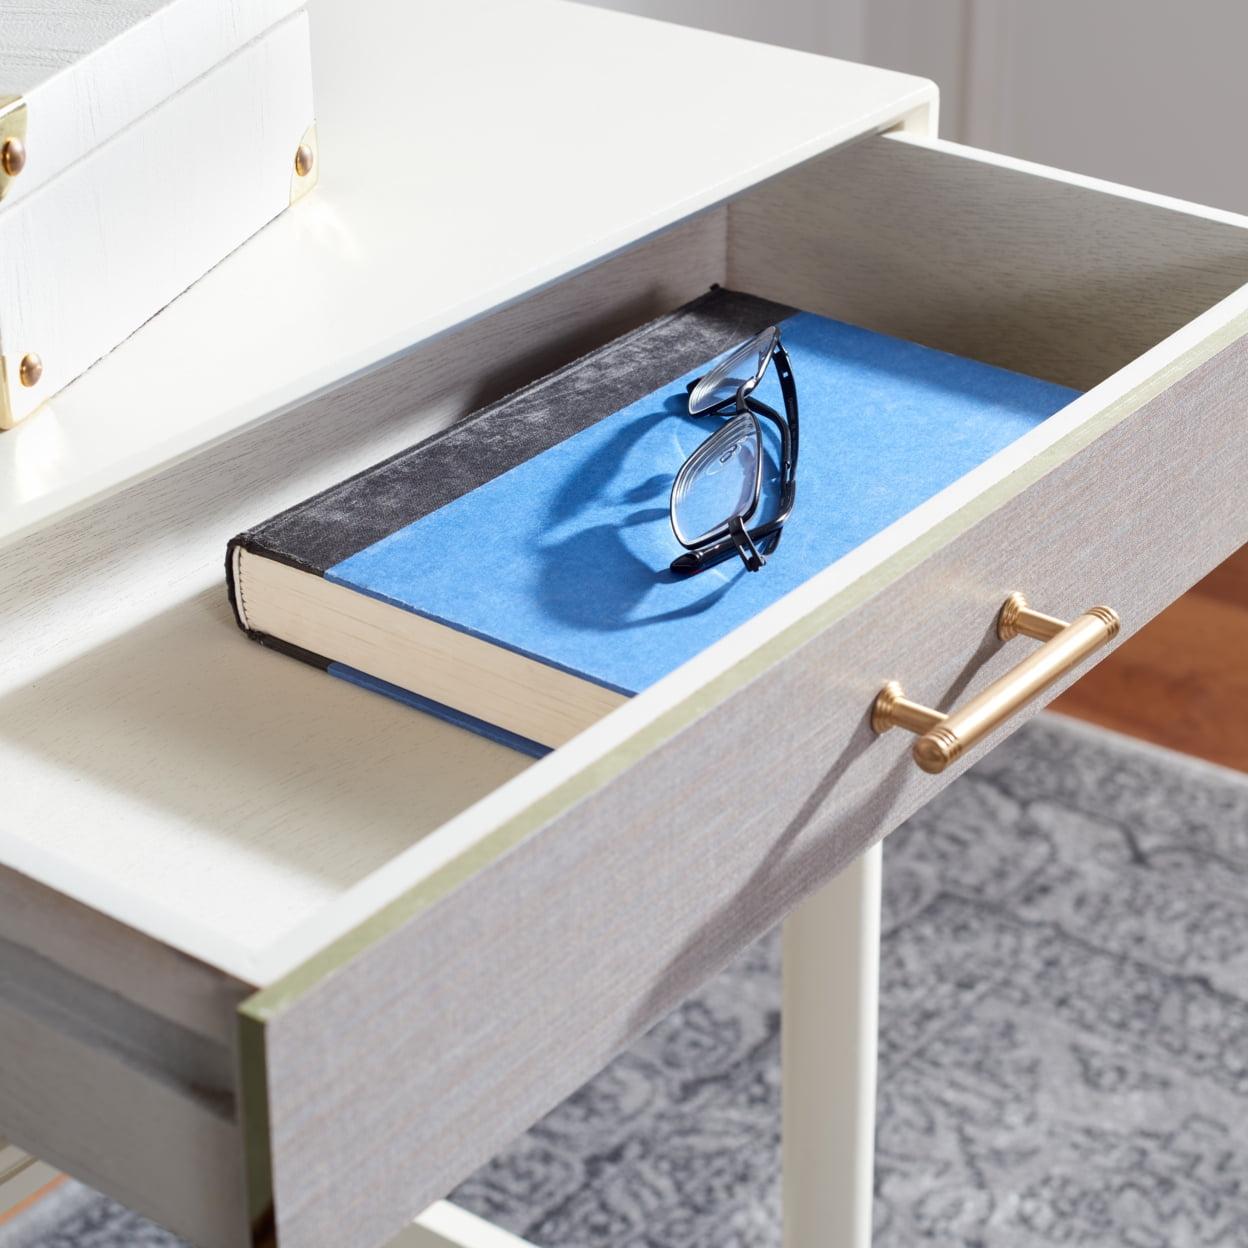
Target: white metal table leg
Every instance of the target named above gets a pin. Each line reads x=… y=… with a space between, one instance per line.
x=445 y=1225
x=828 y=1057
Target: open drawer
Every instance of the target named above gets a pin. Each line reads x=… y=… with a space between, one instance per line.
x=284 y=958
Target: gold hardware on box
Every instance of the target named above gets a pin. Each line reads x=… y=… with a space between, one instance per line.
x=13 y=157
x=29 y=372
x=944 y=738
x=6 y=407
x=12 y=140
x=307 y=165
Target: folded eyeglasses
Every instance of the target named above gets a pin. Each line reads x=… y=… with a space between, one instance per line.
x=718 y=489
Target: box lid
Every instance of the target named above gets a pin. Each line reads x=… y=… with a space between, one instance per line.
x=73 y=73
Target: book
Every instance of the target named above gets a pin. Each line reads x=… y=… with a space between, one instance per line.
x=511 y=573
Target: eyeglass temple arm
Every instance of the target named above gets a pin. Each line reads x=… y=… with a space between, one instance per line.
x=788 y=389
x=699 y=560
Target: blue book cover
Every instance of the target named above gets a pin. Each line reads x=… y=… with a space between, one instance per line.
x=563 y=556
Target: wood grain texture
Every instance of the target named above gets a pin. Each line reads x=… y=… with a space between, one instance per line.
x=88 y=70
x=40 y=40
x=81 y=269
x=191 y=784
x=438 y=1043
x=959 y=250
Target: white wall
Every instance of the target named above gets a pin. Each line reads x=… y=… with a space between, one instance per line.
x=1153 y=93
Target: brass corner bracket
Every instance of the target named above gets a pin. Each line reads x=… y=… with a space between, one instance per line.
x=29 y=374
x=6 y=406
x=12 y=140
x=306 y=170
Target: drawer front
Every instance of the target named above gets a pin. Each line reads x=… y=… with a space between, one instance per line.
x=447 y=1023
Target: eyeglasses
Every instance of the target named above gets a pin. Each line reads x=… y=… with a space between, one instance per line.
x=719 y=486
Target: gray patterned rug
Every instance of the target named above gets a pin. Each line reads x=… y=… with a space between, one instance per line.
x=1064 y=1041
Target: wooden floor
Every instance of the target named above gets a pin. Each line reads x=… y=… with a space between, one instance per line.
x=1182 y=680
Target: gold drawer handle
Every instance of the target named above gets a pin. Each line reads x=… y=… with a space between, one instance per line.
x=944 y=738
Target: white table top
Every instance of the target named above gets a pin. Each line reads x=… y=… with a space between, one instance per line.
x=432 y=208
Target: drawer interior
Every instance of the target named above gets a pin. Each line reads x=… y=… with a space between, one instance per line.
x=1046 y=273
x=245 y=809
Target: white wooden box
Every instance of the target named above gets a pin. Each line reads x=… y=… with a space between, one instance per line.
x=141 y=141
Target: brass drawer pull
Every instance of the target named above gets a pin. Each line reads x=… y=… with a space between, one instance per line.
x=944 y=737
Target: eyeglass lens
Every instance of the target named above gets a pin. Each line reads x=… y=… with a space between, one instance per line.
x=718 y=482
x=742 y=368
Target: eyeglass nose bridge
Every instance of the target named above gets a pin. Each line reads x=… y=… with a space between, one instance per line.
x=745 y=389
x=737 y=403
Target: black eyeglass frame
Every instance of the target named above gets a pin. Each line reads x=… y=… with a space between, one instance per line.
x=731 y=537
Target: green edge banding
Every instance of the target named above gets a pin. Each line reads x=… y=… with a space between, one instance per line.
x=254 y=1080
x=279 y=996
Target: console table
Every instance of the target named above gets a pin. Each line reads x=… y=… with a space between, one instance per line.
x=283 y=962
